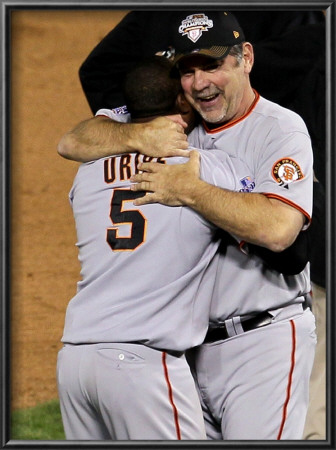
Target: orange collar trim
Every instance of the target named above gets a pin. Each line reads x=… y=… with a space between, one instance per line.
x=234 y=122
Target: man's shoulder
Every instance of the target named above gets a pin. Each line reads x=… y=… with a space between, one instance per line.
x=287 y=119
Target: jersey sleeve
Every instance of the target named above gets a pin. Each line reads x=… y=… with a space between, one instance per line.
x=224 y=171
x=221 y=170
x=118 y=114
x=285 y=171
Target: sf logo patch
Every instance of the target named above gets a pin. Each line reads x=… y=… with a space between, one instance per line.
x=285 y=171
x=194 y=25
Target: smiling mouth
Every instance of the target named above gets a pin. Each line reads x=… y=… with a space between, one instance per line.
x=208 y=102
x=207 y=99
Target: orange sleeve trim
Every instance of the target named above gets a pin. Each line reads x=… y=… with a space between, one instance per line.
x=234 y=122
x=288 y=202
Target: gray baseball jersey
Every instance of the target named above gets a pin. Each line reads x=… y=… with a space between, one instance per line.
x=275 y=144
x=143 y=269
x=259 y=390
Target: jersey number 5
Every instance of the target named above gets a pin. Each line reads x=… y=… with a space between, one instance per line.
x=133 y=218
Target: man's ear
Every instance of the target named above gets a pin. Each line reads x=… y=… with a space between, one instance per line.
x=248 y=55
x=186 y=111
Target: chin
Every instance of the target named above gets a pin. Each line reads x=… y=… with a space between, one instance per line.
x=211 y=118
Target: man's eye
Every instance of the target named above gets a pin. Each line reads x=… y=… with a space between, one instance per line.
x=211 y=67
x=186 y=73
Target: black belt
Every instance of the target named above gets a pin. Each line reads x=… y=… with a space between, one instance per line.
x=220 y=333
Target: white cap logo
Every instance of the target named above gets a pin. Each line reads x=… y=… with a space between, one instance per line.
x=194 y=25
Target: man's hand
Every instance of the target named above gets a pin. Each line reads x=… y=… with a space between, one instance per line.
x=163 y=136
x=167 y=184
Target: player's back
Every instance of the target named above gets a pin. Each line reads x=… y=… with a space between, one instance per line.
x=142 y=267
x=144 y=270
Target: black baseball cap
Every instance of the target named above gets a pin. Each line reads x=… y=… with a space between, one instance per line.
x=209 y=33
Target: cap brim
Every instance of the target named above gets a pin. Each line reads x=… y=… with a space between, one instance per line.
x=215 y=52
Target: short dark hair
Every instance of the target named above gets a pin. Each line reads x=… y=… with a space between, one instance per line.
x=238 y=52
x=149 y=88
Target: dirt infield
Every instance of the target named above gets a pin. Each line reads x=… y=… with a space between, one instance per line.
x=47 y=48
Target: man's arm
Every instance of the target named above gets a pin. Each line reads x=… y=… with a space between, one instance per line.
x=308 y=246
x=290 y=261
x=138 y=35
x=252 y=217
x=100 y=136
x=103 y=71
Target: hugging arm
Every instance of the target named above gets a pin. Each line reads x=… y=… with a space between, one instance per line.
x=100 y=137
x=252 y=217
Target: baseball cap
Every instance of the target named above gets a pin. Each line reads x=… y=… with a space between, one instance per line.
x=209 y=33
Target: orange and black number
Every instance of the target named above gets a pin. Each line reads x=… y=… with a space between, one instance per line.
x=132 y=217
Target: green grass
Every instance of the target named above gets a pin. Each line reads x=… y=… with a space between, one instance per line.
x=42 y=422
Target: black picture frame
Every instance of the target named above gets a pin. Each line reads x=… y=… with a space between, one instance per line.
x=7 y=6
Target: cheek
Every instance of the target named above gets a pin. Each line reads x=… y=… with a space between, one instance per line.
x=234 y=86
x=189 y=98
x=186 y=83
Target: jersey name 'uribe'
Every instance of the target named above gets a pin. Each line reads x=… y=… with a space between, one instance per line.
x=123 y=167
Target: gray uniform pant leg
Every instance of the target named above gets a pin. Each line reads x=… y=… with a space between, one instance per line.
x=255 y=386
x=127 y=392
x=315 y=427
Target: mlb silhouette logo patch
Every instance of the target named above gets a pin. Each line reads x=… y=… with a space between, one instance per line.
x=247 y=183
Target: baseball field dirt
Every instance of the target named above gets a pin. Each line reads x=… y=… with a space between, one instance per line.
x=47 y=48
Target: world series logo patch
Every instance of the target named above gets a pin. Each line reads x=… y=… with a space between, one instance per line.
x=194 y=25
x=286 y=171
x=247 y=183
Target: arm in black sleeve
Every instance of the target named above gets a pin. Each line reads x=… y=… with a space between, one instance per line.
x=102 y=71
x=281 y=55
x=317 y=237
x=281 y=64
x=288 y=262
x=138 y=35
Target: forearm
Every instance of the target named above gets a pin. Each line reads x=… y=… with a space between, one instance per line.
x=101 y=136
x=97 y=138
x=252 y=217
x=290 y=261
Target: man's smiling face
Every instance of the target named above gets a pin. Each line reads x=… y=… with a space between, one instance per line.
x=215 y=88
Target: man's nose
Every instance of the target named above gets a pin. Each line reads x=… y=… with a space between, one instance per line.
x=200 y=80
